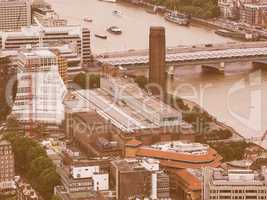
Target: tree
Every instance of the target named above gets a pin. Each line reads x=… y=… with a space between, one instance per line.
x=14 y=124
x=38 y=165
x=141 y=81
x=257 y=164
x=32 y=162
x=46 y=182
x=231 y=151
x=87 y=81
x=55 y=197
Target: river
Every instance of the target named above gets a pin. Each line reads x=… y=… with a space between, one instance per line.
x=134 y=22
x=236 y=98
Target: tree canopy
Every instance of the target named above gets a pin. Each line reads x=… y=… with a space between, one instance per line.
x=87 y=81
x=198 y=8
x=32 y=163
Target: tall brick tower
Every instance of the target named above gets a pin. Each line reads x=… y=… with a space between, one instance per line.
x=157 y=53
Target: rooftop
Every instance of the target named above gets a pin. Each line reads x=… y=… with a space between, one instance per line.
x=137 y=164
x=237 y=177
x=181 y=147
x=36 y=31
x=189 y=179
x=181 y=155
x=4 y=143
x=40 y=53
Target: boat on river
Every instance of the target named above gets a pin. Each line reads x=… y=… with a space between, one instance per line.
x=237 y=35
x=109 y=1
x=177 y=18
x=87 y=19
x=117 y=13
x=102 y=36
x=114 y=29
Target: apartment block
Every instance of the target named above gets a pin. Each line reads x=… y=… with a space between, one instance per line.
x=7 y=166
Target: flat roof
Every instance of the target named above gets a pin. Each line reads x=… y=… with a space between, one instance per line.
x=183 y=158
x=36 y=31
x=4 y=142
x=40 y=53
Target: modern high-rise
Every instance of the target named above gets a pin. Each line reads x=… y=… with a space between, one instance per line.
x=234 y=184
x=157 y=54
x=40 y=90
x=7 y=166
x=14 y=14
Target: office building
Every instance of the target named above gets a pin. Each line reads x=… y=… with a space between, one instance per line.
x=157 y=54
x=76 y=36
x=14 y=14
x=234 y=184
x=40 y=90
x=139 y=178
x=82 y=180
x=47 y=17
x=7 y=166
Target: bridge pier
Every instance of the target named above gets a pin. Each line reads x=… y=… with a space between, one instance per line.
x=259 y=65
x=214 y=68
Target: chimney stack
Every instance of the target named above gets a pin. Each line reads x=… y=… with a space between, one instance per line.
x=157 y=54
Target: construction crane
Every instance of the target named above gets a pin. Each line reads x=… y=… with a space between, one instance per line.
x=42 y=31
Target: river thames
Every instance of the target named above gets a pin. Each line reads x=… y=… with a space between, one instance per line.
x=237 y=98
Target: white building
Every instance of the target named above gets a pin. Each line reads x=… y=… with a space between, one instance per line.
x=76 y=36
x=83 y=171
x=227 y=8
x=100 y=181
x=14 y=14
x=40 y=90
x=48 y=17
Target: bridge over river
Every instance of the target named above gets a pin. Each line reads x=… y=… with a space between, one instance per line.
x=210 y=57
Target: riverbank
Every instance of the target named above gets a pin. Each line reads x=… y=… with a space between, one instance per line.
x=222 y=125
x=246 y=33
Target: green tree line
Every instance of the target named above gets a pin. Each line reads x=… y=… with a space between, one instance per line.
x=32 y=163
x=198 y=8
x=87 y=81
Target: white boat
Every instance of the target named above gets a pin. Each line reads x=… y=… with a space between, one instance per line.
x=116 y=12
x=87 y=19
x=114 y=29
x=176 y=18
x=102 y=36
x=110 y=1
